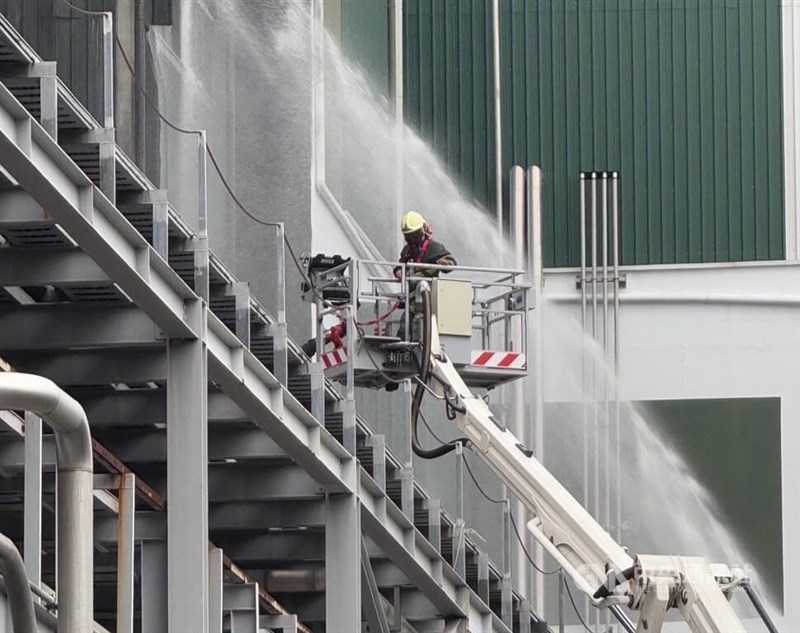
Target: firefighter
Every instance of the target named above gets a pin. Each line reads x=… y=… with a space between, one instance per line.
x=421 y=248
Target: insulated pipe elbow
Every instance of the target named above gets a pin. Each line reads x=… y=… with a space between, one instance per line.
x=23 y=617
x=74 y=514
x=62 y=412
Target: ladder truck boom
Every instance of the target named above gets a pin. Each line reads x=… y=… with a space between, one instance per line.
x=443 y=335
x=597 y=564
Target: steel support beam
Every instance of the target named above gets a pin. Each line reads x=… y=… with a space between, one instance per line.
x=285 y=515
x=62 y=326
x=141 y=445
x=343 y=562
x=95 y=367
x=279 y=548
x=187 y=479
x=153 y=586
x=39 y=267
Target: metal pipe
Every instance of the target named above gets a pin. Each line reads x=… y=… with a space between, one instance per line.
x=396 y=25
x=615 y=273
x=139 y=64
x=32 y=520
x=606 y=421
x=535 y=265
x=498 y=131
x=108 y=69
x=125 y=552
x=201 y=262
x=583 y=358
x=74 y=490
x=596 y=461
x=622 y=618
x=562 y=611
x=23 y=617
x=759 y=606
x=517 y=204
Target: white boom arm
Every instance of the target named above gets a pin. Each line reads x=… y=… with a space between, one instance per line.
x=566 y=530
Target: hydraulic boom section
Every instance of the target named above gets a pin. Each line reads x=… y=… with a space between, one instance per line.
x=599 y=566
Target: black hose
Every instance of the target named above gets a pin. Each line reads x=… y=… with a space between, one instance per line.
x=419 y=392
x=607 y=588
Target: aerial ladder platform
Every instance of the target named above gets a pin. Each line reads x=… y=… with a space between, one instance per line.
x=467 y=329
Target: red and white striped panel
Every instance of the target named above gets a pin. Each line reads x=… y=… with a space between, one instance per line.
x=334 y=358
x=498 y=360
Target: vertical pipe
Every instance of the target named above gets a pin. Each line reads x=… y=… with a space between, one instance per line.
x=397 y=90
x=517 y=205
x=606 y=422
x=459 y=562
x=33 y=498
x=280 y=359
x=583 y=281
x=23 y=617
x=215 y=583
x=125 y=541
x=498 y=139
x=139 y=104
x=562 y=611
x=615 y=273
x=596 y=457
x=108 y=70
x=201 y=257
x=535 y=267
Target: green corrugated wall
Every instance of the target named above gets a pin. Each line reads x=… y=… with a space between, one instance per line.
x=683 y=97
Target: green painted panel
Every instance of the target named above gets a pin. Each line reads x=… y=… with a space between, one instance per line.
x=683 y=97
x=365 y=38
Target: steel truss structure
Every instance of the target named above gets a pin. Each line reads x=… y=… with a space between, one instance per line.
x=245 y=512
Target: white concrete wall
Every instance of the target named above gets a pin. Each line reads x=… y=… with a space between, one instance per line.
x=708 y=331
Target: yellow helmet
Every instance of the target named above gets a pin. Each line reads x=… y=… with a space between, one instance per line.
x=412 y=222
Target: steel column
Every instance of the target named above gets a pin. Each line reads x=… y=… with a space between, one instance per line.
x=187 y=478
x=373 y=608
x=153 y=586
x=342 y=562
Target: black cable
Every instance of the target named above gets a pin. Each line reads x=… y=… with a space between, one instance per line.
x=84 y=11
x=436 y=437
x=513 y=522
x=527 y=555
x=146 y=96
x=213 y=158
x=575 y=607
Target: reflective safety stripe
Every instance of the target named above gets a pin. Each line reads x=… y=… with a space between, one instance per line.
x=498 y=360
x=334 y=358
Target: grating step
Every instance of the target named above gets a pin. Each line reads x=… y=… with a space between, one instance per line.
x=394 y=490
x=365 y=456
x=300 y=388
x=41 y=235
x=225 y=309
